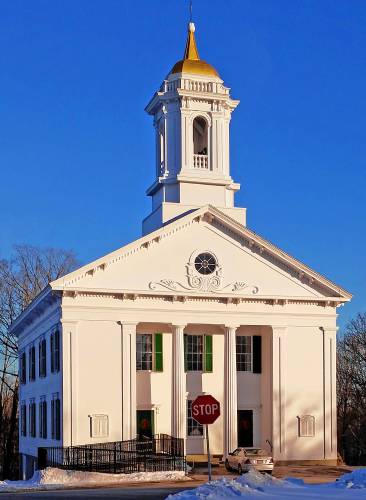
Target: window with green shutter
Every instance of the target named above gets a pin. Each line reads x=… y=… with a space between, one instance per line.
x=208 y=353
x=158 y=350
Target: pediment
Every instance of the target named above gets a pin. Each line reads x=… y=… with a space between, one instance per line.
x=247 y=266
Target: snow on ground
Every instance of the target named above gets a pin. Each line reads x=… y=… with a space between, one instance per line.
x=255 y=486
x=51 y=478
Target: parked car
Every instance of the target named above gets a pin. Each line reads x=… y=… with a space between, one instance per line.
x=246 y=459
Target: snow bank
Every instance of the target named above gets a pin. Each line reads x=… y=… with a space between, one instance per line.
x=248 y=484
x=353 y=480
x=51 y=478
x=262 y=487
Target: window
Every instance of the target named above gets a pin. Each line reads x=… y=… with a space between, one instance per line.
x=194 y=352
x=23 y=368
x=55 y=417
x=23 y=419
x=205 y=263
x=99 y=427
x=200 y=136
x=144 y=353
x=306 y=426
x=42 y=358
x=32 y=418
x=193 y=427
x=243 y=353
x=43 y=418
x=55 y=351
x=32 y=363
x=198 y=353
x=161 y=147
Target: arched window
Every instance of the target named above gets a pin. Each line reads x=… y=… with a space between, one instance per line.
x=160 y=171
x=200 y=136
x=200 y=143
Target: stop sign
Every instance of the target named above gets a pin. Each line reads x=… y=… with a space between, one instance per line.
x=205 y=409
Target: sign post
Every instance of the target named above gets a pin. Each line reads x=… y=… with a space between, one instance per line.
x=205 y=410
x=208 y=453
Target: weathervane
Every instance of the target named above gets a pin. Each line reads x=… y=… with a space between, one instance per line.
x=190 y=10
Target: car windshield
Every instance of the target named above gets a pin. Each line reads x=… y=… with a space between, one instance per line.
x=255 y=451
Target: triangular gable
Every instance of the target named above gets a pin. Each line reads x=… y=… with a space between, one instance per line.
x=311 y=283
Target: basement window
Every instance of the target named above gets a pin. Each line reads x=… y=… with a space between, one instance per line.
x=99 y=426
x=306 y=425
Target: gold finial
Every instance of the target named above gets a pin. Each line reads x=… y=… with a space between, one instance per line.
x=191 y=51
x=191 y=62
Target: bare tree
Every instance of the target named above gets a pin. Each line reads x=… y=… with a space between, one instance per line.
x=351 y=382
x=22 y=278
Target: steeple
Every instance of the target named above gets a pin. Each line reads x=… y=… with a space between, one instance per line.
x=191 y=62
x=192 y=112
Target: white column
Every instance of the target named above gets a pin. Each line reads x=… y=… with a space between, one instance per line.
x=128 y=379
x=278 y=393
x=231 y=392
x=329 y=397
x=178 y=384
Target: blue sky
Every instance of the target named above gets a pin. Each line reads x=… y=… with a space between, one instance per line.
x=77 y=149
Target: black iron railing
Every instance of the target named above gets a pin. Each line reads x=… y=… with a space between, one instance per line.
x=159 y=453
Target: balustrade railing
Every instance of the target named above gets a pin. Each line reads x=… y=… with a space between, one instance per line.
x=194 y=85
x=200 y=161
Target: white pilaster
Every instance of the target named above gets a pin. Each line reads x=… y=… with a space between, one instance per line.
x=178 y=384
x=278 y=393
x=69 y=394
x=128 y=379
x=330 y=398
x=231 y=392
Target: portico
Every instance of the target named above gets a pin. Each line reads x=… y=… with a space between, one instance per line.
x=167 y=391
x=197 y=372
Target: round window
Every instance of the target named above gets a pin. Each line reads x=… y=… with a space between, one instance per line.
x=205 y=263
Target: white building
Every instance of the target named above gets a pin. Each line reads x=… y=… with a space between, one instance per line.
x=199 y=304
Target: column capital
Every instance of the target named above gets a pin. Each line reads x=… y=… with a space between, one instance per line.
x=329 y=330
x=181 y=326
x=233 y=326
x=281 y=329
x=69 y=321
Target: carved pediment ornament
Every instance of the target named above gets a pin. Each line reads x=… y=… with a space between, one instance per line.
x=204 y=274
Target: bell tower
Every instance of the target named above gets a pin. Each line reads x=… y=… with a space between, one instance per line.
x=192 y=112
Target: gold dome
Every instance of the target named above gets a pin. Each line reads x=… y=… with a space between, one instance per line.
x=191 y=62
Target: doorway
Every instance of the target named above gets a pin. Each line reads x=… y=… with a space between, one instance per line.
x=145 y=423
x=245 y=428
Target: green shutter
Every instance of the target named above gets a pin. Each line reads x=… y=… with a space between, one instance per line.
x=158 y=349
x=257 y=354
x=208 y=353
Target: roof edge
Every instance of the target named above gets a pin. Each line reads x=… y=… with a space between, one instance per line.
x=30 y=307
x=102 y=262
